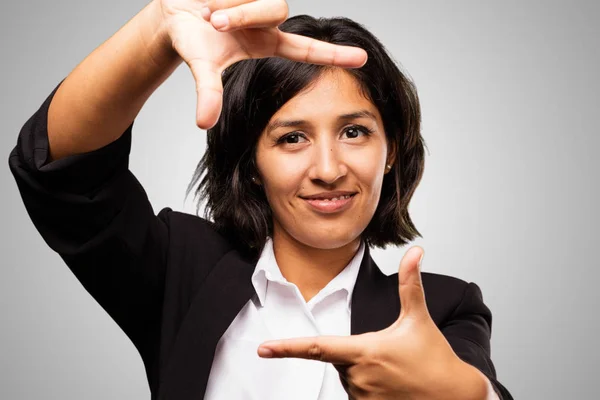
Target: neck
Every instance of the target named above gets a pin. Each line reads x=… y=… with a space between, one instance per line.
x=310 y=268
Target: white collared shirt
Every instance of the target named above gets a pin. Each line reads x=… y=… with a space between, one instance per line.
x=278 y=311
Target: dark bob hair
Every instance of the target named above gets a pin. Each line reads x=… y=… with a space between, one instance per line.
x=255 y=89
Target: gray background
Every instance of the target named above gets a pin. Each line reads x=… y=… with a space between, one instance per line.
x=510 y=98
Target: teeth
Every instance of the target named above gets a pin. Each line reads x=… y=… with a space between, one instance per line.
x=336 y=198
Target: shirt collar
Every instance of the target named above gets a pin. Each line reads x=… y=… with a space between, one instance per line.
x=267 y=270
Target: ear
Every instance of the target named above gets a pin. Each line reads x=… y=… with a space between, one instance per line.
x=391 y=155
x=255 y=175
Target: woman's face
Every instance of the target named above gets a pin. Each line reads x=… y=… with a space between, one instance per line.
x=321 y=161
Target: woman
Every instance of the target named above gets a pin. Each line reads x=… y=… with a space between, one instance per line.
x=306 y=167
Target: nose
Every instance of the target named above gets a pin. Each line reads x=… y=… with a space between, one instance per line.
x=327 y=165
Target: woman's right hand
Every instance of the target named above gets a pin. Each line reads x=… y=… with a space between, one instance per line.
x=195 y=32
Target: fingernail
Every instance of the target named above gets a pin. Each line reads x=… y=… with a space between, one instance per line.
x=264 y=352
x=205 y=12
x=421 y=259
x=220 y=20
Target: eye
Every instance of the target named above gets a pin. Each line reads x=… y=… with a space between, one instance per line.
x=354 y=131
x=291 y=138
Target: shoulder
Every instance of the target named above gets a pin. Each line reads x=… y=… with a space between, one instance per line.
x=195 y=246
x=192 y=230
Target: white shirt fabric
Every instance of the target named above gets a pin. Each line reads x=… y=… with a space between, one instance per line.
x=278 y=311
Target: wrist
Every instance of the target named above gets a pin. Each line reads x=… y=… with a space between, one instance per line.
x=155 y=37
x=472 y=384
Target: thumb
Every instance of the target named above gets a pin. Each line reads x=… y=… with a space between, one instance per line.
x=209 y=89
x=410 y=285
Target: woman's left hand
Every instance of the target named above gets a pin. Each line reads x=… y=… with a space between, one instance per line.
x=410 y=359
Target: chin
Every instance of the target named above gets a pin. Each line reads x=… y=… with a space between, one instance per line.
x=327 y=239
x=318 y=232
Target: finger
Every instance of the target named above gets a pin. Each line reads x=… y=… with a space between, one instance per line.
x=410 y=285
x=333 y=349
x=305 y=49
x=229 y=15
x=209 y=89
x=215 y=5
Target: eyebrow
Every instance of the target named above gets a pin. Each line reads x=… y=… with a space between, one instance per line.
x=278 y=123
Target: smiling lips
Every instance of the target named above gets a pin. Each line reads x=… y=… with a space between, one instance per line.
x=329 y=202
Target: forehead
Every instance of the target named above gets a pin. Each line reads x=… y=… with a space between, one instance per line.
x=334 y=92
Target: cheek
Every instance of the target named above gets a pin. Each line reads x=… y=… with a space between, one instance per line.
x=369 y=168
x=281 y=177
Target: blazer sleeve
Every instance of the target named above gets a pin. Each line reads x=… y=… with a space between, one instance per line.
x=92 y=211
x=468 y=331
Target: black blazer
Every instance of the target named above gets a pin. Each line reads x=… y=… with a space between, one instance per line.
x=172 y=283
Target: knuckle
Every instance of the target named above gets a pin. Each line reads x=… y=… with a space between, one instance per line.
x=373 y=352
x=371 y=355
x=238 y=18
x=315 y=352
x=282 y=11
x=310 y=52
x=360 y=383
x=242 y=17
x=215 y=5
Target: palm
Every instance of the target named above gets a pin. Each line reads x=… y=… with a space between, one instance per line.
x=195 y=39
x=409 y=359
x=208 y=51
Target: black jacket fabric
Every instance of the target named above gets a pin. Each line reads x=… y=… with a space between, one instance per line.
x=172 y=283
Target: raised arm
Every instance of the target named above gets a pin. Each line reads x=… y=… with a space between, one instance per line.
x=104 y=93
x=71 y=159
x=102 y=96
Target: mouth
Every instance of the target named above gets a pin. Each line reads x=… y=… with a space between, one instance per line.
x=331 y=202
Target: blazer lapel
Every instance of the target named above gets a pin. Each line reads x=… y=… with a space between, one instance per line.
x=226 y=290
x=375 y=299
x=375 y=306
